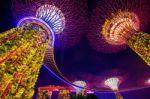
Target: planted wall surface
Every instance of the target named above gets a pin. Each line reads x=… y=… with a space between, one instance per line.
x=140 y=43
x=21 y=54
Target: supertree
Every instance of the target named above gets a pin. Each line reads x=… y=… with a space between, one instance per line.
x=22 y=51
x=112 y=80
x=49 y=59
x=113 y=20
x=45 y=30
x=80 y=87
x=113 y=84
x=63 y=16
x=120 y=25
x=67 y=18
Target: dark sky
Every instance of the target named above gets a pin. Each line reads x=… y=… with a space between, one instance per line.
x=6 y=20
x=81 y=60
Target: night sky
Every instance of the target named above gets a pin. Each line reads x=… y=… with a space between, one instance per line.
x=81 y=60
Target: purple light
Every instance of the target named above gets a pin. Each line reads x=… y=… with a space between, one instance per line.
x=61 y=78
x=68 y=31
x=44 y=25
x=90 y=92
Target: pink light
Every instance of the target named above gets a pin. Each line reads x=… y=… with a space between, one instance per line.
x=56 y=89
x=90 y=92
x=119 y=27
x=147 y=82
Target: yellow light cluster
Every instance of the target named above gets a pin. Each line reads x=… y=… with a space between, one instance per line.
x=118 y=27
x=140 y=43
x=22 y=53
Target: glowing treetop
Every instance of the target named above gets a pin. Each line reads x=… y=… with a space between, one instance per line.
x=122 y=26
x=81 y=84
x=114 y=22
x=53 y=16
x=113 y=83
x=118 y=27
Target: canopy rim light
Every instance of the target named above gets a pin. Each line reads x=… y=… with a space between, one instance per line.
x=41 y=23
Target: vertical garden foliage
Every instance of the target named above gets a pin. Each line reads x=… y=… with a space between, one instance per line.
x=21 y=54
x=140 y=43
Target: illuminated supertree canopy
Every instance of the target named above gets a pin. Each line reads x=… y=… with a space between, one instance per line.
x=113 y=79
x=53 y=16
x=22 y=52
x=116 y=29
x=67 y=18
x=113 y=21
x=113 y=83
x=80 y=84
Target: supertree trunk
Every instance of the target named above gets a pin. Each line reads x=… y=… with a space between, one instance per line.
x=118 y=95
x=49 y=60
x=140 y=43
x=21 y=54
x=66 y=18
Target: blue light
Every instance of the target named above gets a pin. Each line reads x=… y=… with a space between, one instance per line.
x=40 y=22
x=62 y=79
x=52 y=16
